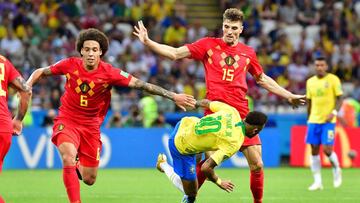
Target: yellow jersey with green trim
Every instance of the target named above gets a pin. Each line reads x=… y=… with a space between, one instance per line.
x=322 y=92
x=222 y=132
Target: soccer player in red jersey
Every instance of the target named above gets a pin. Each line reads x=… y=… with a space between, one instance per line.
x=10 y=76
x=84 y=104
x=226 y=62
x=8 y=126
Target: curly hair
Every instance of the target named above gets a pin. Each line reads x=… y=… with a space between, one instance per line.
x=256 y=118
x=92 y=34
x=233 y=14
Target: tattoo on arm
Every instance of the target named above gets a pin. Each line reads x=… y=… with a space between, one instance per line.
x=25 y=94
x=153 y=89
x=47 y=71
x=20 y=84
x=204 y=103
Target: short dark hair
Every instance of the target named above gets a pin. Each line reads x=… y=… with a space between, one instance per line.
x=320 y=58
x=256 y=118
x=233 y=14
x=92 y=34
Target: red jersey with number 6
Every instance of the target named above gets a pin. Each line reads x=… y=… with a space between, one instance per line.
x=7 y=74
x=225 y=70
x=87 y=93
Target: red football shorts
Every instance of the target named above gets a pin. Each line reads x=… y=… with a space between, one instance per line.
x=251 y=141
x=5 y=142
x=85 y=138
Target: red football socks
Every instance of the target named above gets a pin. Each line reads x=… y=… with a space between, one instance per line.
x=257 y=185
x=2 y=200
x=200 y=175
x=71 y=183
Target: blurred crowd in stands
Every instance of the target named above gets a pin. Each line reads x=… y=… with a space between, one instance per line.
x=286 y=34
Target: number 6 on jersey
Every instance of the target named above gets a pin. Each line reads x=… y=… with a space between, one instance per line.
x=83 y=100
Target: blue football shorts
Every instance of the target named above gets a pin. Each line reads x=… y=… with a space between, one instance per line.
x=323 y=133
x=184 y=165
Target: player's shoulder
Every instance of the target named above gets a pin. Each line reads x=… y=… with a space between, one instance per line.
x=332 y=76
x=311 y=79
x=245 y=46
x=107 y=67
x=3 y=58
x=246 y=49
x=210 y=39
x=72 y=60
x=7 y=63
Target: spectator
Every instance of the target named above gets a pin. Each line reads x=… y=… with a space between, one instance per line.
x=115 y=121
x=149 y=110
x=133 y=119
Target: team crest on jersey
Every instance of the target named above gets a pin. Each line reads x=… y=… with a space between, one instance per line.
x=84 y=87
x=229 y=60
x=326 y=85
x=61 y=127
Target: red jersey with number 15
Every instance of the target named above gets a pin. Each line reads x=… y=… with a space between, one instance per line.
x=87 y=93
x=225 y=70
x=7 y=74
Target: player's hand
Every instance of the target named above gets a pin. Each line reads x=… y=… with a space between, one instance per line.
x=17 y=126
x=295 y=100
x=184 y=101
x=330 y=117
x=227 y=185
x=141 y=32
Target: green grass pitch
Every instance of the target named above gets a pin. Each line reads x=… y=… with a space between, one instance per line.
x=150 y=186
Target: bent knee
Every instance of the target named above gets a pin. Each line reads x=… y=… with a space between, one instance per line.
x=68 y=160
x=89 y=179
x=256 y=166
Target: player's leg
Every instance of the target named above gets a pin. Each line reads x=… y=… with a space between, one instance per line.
x=89 y=154
x=253 y=157
x=327 y=140
x=5 y=140
x=67 y=142
x=163 y=166
x=314 y=139
x=200 y=175
x=190 y=188
x=184 y=167
x=68 y=153
x=88 y=174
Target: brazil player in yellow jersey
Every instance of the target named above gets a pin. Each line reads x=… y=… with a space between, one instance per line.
x=323 y=92
x=222 y=132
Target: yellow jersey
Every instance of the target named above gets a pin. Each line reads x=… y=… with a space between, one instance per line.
x=323 y=93
x=222 y=132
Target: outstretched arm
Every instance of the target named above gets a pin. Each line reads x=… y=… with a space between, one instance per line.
x=161 y=49
x=181 y=100
x=268 y=83
x=25 y=94
x=37 y=74
x=208 y=169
